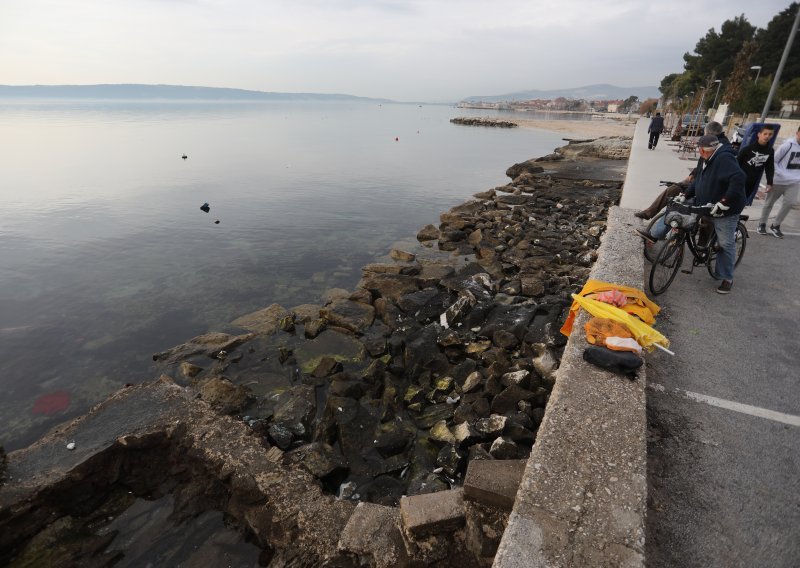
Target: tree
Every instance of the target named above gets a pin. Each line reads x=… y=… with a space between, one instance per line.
x=790 y=90
x=628 y=104
x=715 y=53
x=648 y=106
x=754 y=96
x=741 y=77
x=772 y=42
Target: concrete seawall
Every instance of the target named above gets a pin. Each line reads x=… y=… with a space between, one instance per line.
x=582 y=499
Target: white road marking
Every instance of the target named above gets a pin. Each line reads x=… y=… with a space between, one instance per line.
x=781 y=417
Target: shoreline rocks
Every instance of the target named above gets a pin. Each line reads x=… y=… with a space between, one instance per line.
x=483 y=121
x=392 y=389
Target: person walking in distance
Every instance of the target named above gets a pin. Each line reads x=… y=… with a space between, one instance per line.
x=755 y=160
x=786 y=184
x=655 y=129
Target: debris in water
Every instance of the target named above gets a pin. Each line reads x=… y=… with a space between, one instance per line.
x=71 y=445
x=205 y=207
x=216 y=221
x=51 y=403
x=184 y=156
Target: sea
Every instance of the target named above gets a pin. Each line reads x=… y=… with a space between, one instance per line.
x=108 y=256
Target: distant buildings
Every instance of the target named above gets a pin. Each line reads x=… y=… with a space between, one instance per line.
x=544 y=105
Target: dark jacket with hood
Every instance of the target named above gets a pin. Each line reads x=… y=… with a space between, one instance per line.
x=720 y=179
x=656 y=124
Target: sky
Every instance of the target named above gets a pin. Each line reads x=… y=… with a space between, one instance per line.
x=405 y=50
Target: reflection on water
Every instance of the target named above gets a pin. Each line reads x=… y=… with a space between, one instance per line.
x=106 y=257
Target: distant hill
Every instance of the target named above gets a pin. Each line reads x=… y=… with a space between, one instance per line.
x=590 y=92
x=175 y=92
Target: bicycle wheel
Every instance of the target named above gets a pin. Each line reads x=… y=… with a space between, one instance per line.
x=651 y=250
x=741 y=244
x=666 y=265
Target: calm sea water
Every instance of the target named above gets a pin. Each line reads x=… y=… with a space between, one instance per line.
x=106 y=257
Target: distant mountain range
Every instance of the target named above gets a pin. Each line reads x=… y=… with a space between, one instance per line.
x=589 y=93
x=175 y=92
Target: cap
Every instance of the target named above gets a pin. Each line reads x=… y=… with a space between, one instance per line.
x=708 y=141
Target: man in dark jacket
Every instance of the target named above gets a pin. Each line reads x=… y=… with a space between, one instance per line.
x=720 y=183
x=755 y=160
x=655 y=129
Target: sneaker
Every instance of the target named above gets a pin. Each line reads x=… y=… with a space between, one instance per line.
x=776 y=231
x=725 y=287
x=762 y=229
x=646 y=236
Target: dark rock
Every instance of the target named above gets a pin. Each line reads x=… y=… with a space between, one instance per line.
x=425 y=305
x=320 y=460
x=507 y=400
x=295 y=410
x=223 y=395
x=421 y=352
x=353 y=316
x=491 y=427
x=327 y=366
x=433 y=414
x=464 y=413
x=346 y=388
x=504 y=449
x=313 y=328
x=479 y=452
x=528 y=166
x=361 y=296
x=428 y=233
x=389 y=286
x=505 y=339
x=402 y=255
x=451 y=460
x=262 y=322
x=209 y=344
x=280 y=436
x=465 y=434
x=513 y=319
x=392 y=438
x=481 y=407
x=430 y=483
x=519 y=434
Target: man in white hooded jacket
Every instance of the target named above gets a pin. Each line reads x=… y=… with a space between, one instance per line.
x=786 y=183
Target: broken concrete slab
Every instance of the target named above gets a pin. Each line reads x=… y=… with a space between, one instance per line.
x=493 y=483
x=433 y=512
x=373 y=534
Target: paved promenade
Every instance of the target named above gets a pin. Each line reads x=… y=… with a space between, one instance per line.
x=724 y=412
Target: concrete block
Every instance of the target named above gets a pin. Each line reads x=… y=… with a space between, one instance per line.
x=373 y=531
x=493 y=483
x=423 y=515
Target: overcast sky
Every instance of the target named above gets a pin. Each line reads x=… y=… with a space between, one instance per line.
x=409 y=50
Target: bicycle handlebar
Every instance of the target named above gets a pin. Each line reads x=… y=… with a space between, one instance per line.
x=702 y=210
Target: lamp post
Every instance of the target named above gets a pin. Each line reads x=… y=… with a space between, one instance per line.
x=758 y=68
x=719 y=81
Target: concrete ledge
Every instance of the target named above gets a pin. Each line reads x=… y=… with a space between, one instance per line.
x=582 y=498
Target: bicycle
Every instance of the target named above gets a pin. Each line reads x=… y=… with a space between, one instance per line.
x=652 y=249
x=684 y=221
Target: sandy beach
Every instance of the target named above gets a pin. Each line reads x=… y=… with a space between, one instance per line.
x=583 y=128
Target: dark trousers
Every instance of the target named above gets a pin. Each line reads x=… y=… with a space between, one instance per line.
x=653 y=139
x=662 y=199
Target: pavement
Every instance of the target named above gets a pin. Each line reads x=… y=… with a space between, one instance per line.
x=723 y=452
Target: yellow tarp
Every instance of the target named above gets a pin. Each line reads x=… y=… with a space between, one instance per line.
x=643 y=333
x=638 y=303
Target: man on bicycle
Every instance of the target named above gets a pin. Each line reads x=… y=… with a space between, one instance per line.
x=719 y=181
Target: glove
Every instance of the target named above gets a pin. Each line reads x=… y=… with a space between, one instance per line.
x=680 y=198
x=719 y=209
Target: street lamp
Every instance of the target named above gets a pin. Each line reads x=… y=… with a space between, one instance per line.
x=758 y=68
x=714 y=105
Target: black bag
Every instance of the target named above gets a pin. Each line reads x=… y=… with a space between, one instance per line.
x=622 y=362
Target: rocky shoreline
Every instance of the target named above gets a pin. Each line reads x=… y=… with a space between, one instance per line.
x=483 y=121
x=392 y=389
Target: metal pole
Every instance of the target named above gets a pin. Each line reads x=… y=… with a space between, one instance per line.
x=785 y=56
x=719 y=84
